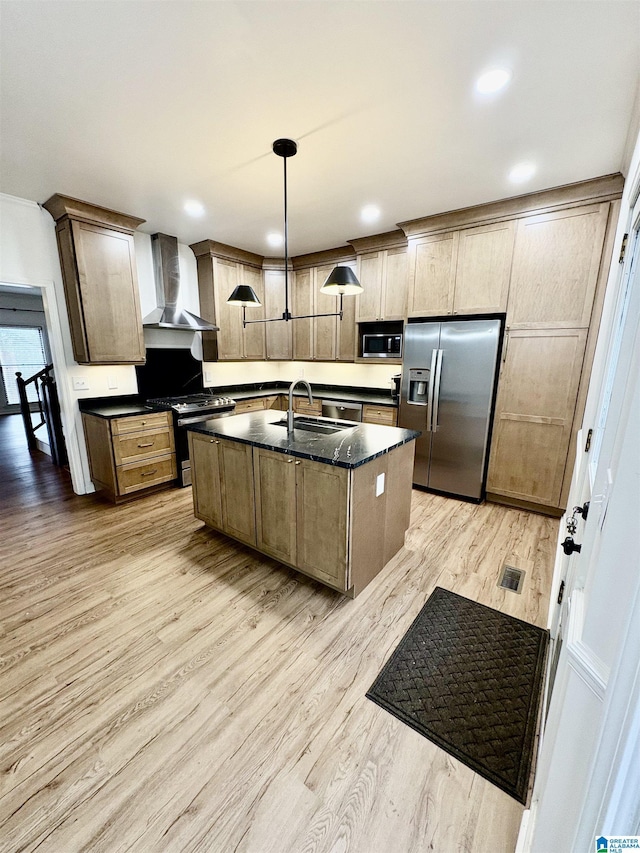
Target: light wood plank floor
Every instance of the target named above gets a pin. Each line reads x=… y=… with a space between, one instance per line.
x=165 y=689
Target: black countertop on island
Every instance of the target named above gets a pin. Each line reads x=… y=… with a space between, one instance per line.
x=348 y=448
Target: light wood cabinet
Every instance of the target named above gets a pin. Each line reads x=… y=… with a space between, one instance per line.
x=130 y=454
x=301 y=514
x=275 y=483
x=483 y=268
x=221 y=269
x=302 y=406
x=556 y=262
x=100 y=278
x=383 y=275
x=321 y=338
x=432 y=272
x=223 y=491
x=534 y=414
x=383 y=415
x=256 y=404
x=322 y=510
x=279 y=344
x=461 y=272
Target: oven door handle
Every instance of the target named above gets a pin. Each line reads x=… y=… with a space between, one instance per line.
x=197 y=419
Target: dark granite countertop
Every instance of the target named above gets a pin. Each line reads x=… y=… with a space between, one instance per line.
x=348 y=448
x=115 y=407
x=371 y=396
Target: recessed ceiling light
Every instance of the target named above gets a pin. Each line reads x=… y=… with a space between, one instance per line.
x=521 y=173
x=275 y=240
x=370 y=213
x=194 y=208
x=493 y=81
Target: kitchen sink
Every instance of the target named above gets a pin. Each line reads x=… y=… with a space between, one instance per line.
x=324 y=426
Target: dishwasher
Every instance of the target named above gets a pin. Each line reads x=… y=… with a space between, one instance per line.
x=340 y=410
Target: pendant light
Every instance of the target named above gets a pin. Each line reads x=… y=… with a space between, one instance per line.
x=342 y=281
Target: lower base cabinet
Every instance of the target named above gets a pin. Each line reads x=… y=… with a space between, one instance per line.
x=326 y=521
x=223 y=494
x=131 y=454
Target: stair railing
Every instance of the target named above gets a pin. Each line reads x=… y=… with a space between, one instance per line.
x=48 y=411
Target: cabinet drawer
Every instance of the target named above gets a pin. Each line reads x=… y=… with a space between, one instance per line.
x=138 y=446
x=384 y=415
x=141 y=475
x=140 y=422
x=254 y=405
x=303 y=407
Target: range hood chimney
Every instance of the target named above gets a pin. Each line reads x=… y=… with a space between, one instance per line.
x=166 y=271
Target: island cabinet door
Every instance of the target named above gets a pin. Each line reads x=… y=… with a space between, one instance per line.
x=322 y=510
x=238 y=499
x=275 y=483
x=205 y=466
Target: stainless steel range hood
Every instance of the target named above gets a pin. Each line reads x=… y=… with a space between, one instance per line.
x=167 y=275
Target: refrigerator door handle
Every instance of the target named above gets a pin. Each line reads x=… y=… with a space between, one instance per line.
x=436 y=390
x=432 y=373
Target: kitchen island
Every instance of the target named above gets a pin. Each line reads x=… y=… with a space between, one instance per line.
x=333 y=505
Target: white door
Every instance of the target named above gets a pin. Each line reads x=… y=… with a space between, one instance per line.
x=592 y=732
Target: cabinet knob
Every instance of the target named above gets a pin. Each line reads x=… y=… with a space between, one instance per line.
x=213 y=441
x=298 y=463
x=289 y=461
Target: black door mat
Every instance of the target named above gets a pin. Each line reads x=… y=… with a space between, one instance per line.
x=469 y=678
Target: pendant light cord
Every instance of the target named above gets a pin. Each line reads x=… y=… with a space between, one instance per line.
x=287 y=314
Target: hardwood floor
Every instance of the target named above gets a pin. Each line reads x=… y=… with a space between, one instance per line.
x=165 y=689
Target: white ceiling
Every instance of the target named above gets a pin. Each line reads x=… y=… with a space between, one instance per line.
x=139 y=106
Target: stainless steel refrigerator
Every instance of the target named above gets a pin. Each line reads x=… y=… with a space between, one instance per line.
x=449 y=375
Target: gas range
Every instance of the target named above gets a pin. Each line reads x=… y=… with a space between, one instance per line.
x=194 y=404
x=188 y=410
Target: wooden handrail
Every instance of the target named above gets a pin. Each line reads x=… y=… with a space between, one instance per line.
x=39 y=380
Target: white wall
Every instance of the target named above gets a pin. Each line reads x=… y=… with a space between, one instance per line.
x=29 y=255
x=323 y=373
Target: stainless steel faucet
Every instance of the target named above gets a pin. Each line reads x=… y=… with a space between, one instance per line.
x=290 y=409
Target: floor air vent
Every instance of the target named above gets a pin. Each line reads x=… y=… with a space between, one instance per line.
x=511 y=579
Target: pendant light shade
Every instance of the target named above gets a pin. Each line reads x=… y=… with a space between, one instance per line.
x=244 y=295
x=341 y=281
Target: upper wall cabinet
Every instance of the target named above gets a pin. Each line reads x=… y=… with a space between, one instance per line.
x=483 y=268
x=100 y=281
x=382 y=270
x=278 y=335
x=432 y=272
x=220 y=269
x=322 y=338
x=555 y=267
x=461 y=272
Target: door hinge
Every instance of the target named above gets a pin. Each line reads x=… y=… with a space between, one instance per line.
x=561 y=593
x=623 y=248
x=587 y=446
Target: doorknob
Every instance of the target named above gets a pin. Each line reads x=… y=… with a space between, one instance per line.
x=569 y=546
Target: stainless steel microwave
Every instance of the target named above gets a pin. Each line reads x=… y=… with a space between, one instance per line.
x=382 y=346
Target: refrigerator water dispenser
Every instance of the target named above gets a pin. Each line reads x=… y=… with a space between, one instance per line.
x=418 y=385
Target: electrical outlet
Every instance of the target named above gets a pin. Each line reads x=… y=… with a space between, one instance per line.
x=112 y=383
x=208 y=378
x=80 y=384
x=301 y=373
x=379 y=485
